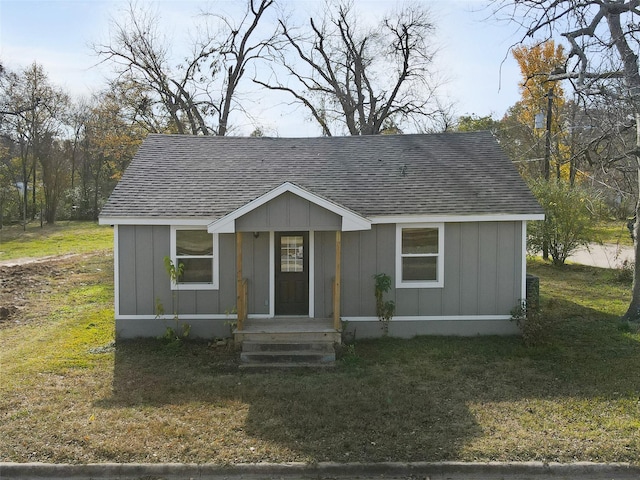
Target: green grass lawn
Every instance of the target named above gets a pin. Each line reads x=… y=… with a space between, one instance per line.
x=614 y=232
x=61 y=238
x=66 y=395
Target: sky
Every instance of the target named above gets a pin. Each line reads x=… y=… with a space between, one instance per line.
x=473 y=51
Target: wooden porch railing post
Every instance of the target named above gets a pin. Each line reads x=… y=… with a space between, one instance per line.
x=337 y=284
x=241 y=306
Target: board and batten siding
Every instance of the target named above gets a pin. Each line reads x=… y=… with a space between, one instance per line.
x=143 y=278
x=288 y=212
x=143 y=281
x=482 y=277
x=482 y=271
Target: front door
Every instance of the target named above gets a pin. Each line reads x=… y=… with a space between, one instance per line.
x=292 y=273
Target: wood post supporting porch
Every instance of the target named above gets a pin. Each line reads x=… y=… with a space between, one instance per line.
x=337 y=282
x=241 y=285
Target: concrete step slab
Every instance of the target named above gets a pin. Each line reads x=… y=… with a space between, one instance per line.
x=280 y=357
x=254 y=346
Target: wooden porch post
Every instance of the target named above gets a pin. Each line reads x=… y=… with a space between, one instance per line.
x=336 y=283
x=240 y=297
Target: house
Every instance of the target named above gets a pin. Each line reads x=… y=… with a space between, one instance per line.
x=284 y=228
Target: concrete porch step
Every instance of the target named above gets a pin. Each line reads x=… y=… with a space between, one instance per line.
x=291 y=356
x=254 y=346
x=242 y=336
x=283 y=365
x=287 y=354
x=287 y=342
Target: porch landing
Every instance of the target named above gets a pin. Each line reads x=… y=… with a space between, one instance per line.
x=287 y=342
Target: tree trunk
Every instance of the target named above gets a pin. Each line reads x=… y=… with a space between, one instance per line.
x=632 y=80
x=633 y=312
x=34 y=205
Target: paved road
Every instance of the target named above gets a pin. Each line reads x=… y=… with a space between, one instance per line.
x=322 y=471
x=605 y=256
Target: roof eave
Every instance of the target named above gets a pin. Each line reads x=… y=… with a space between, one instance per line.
x=457 y=218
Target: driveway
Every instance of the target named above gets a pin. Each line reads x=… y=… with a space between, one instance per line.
x=604 y=256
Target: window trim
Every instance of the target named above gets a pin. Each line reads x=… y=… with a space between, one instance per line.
x=439 y=281
x=215 y=260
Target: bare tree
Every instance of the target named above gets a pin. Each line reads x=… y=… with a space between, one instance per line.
x=602 y=62
x=194 y=96
x=358 y=79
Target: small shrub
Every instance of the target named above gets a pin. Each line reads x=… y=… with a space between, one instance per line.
x=384 y=309
x=347 y=355
x=347 y=335
x=624 y=273
x=535 y=327
x=570 y=218
x=627 y=326
x=177 y=335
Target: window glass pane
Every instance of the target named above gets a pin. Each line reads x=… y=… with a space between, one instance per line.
x=419 y=240
x=419 y=268
x=291 y=253
x=196 y=270
x=194 y=242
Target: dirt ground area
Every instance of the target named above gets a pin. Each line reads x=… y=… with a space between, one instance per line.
x=25 y=280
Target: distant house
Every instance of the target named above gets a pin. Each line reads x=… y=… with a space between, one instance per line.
x=272 y=228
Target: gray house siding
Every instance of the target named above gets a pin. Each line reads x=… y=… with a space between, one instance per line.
x=482 y=271
x=255 y=268
x=141 y=250
x=288 y=212
x=482 y=277
x=325 y=272
x=143 y=280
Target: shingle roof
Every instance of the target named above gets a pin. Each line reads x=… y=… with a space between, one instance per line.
x=434 y=174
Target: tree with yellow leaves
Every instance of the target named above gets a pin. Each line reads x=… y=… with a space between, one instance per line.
x=542 y=96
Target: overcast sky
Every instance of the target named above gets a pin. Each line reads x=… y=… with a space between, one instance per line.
x=473 y=50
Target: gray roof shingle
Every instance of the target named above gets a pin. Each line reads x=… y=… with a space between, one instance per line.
x=430 y=174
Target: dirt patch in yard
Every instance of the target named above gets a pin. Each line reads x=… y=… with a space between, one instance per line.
x=27 y=280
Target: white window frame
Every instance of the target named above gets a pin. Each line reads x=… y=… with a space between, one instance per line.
x=215 y=277
x=439 y=281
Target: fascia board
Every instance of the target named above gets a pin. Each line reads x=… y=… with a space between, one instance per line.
x=382 y=219
x=185 y=221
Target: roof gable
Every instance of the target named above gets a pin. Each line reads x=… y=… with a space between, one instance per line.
x=350 y=221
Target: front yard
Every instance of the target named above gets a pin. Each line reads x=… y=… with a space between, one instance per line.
x=68 y=395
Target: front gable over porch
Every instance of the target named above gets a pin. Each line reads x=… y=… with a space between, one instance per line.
x=290 y=207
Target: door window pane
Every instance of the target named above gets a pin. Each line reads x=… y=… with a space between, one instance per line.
x=291 y=253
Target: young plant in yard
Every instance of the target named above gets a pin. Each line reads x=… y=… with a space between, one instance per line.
x=534 y=326
x=384 y=308
x=175 y=272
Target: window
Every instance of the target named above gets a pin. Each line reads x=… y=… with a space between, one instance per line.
x=194 y=249
x=419 y=259
x=291 y=253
